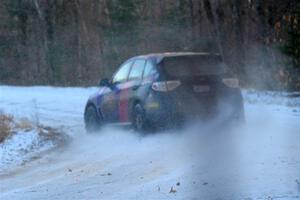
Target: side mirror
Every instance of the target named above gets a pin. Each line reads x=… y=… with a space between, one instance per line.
x=104 y=83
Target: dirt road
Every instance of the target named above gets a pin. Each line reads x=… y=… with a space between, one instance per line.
x=260 y=160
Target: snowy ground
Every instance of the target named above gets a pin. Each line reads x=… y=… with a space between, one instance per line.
x=258 y=161
x=26 y=145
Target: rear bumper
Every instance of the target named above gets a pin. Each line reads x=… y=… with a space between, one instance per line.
x=172 y=108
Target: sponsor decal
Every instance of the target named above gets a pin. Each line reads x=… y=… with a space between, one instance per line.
x=154 y=105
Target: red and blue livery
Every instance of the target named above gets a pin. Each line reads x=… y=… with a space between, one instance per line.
x=157 y=90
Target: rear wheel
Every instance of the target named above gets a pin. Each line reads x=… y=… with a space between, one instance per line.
x=240 y=117
x=139 y=121
x=91 y=119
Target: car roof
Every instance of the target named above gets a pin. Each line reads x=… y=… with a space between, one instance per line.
x=158 y=57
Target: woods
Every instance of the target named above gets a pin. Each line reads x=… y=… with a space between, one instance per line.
x=63 y=42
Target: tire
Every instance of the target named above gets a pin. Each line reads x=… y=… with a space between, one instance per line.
x=139 y=121
x=240 y=117
x=91 y=119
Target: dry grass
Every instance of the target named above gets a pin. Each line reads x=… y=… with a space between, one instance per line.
x=6 y=126
x=24 y=124
x=9 y=126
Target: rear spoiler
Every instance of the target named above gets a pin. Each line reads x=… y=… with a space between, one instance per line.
x=161 y=58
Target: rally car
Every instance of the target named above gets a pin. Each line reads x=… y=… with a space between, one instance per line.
x=163 y=89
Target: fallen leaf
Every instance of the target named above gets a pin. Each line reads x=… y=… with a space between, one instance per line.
x=158 y=188
x=172 y=190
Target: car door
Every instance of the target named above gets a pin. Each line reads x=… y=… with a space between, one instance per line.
x=110 y=103
x=130 y=88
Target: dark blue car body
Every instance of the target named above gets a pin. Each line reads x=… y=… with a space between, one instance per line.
x=162 y=89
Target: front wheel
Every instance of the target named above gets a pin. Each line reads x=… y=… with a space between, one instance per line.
x=91 y=119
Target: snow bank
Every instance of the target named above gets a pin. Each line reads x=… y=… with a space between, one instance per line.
x=24 y=145
x=272 y=98
x=21 y=147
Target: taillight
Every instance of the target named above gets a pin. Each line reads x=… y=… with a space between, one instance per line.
x=231 y=82
x=165 y=86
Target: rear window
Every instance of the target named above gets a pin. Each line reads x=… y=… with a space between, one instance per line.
x=193 y=66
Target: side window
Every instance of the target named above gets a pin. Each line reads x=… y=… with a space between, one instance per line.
x=137 y=70
x=149 y=70
x=122 y=74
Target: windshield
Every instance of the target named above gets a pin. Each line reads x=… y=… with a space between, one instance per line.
x=193 y=66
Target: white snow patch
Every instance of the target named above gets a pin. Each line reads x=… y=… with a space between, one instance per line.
x=21 y=147
x=291 y=100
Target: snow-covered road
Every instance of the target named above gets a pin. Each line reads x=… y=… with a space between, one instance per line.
x=258 y=161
